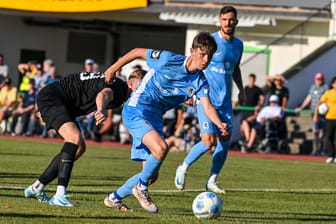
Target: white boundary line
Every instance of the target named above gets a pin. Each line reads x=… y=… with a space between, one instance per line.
x=275 y=190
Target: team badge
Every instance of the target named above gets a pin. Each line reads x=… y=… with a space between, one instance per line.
x=205 y=125
x=155 y=54
x=190 y=91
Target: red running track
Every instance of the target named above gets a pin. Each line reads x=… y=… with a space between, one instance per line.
x=231 y=152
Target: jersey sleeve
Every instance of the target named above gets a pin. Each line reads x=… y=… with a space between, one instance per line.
x=157 y=58
x=203 y=87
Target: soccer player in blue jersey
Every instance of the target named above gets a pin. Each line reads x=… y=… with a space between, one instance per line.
x=171 y=80
x=223 y=67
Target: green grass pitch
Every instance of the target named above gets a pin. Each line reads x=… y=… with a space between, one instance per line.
x=258 y=190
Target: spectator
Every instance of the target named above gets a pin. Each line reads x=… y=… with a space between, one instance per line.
x=96 y=67
x=254 y=98
x=7 y=100
x=38 y=78
x=275 y=86
x=24 y=110
x=315 y=92
x=329 y=97
x=3 y=67
x=171 y=118
x=272 y=112
x=89 y=65
x=27 y=71
x=49 y=71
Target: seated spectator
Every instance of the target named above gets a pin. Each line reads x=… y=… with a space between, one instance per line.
x=24 y=110
x=272 y=112
x=254 y=98
x=8 y=100
x=185 y=137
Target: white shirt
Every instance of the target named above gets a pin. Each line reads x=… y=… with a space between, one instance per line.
x=269 y=112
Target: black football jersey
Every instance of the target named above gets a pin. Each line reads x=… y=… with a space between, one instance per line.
x=80 y=91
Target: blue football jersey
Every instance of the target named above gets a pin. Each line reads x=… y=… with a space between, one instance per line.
x=167 y=84
x=219 y=71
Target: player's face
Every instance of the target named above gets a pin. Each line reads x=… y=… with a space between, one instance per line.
x=228 y=23
x=133 y=82
x=201 y=58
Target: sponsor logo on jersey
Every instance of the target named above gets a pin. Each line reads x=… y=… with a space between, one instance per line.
x=162 y=90
x=155 y=54
x=90 y=75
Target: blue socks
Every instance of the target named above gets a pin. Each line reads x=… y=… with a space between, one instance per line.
x=151 y=168
x=195 y=153
x=126 y=189
x=219 y=157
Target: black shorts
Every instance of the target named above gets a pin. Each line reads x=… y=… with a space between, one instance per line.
x=53 y=108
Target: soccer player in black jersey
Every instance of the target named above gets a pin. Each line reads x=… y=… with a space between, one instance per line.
x=59 y=104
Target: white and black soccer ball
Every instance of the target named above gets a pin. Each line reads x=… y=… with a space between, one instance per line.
x=207 y=205
x=323 y=108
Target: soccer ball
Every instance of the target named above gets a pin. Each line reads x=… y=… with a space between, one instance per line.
x=323 y=108
x=207 y=205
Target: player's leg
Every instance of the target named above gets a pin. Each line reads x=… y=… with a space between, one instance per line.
x=146 y=131
x=36 y=190
x=208 y=139
x=218 y=159
x=220 y=154
x=72 y=137
x=159 y=149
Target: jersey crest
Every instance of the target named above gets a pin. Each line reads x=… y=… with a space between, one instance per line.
x=155 y=54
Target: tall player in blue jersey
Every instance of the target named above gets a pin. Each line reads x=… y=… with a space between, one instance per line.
x=223 y=67
x=171 y=80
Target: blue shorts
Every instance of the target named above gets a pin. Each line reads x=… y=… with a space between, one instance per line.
x=320 y=125
x=207 y=126
x=138 y=124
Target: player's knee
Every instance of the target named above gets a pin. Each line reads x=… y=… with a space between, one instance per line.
x=161 y=152
x=209 y=141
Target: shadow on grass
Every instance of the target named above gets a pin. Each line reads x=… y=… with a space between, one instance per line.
x=267 y=217
x=42 y=216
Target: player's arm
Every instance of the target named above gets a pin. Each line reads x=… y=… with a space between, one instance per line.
x=237 y=78
x=128 y=57
x=211 y=112
x=108 y=123
x=103 y=98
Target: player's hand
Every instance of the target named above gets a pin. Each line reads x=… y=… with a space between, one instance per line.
x=224 y=129
x=99 y=117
